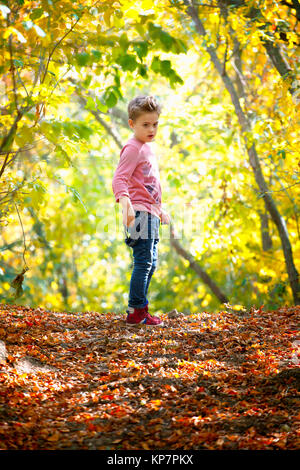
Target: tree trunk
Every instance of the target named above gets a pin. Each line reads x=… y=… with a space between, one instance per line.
x=253 y=159
x=272 y=49
x=265 y=235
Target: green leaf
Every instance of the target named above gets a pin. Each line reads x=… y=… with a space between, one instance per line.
x=82 y=58
x=117 y=79
x=155 y=65
x=143 y=70
x=83 y=131
x=166 y=40
x=37 y=13
x=111 y=99
x=86 y=83
x=158 y=35
x=96 y=55
x=76 y=197
x=281 y=153
x=165 y=67
x=124 y=42
x=90 y=104
x=119 y=13
x=101 y=107
x=140 y=29
x=179 y=47
x=141 y=48
x=127 y=62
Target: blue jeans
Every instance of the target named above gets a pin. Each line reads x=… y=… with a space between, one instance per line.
x=145 y=255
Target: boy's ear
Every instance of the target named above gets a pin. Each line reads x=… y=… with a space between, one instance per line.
x=130 y=122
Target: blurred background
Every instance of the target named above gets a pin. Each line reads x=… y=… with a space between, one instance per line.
x=68 y=71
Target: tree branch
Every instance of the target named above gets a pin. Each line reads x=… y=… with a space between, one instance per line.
x=55 y=47
x=12 y=67
x=101 y=121
x=254 y=160
x=4 y=164
x=197 y=268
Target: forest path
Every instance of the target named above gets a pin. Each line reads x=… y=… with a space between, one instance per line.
x=225 y=380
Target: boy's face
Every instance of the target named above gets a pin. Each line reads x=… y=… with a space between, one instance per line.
x=145 y=126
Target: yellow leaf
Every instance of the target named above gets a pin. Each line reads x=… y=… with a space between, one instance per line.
x=133 y=13
x=107 y=16
x=147 y=4
x=54 y=437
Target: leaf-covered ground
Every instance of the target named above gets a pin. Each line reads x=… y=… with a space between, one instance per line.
x=206 y=381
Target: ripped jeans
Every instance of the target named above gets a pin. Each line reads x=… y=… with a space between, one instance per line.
x=145 y=254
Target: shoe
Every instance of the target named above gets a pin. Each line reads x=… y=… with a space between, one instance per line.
x=141 y=316
x=151 y=318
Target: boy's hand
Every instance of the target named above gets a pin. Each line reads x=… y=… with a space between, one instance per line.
x=128 y=212
x=165 y=217
x=128 y=216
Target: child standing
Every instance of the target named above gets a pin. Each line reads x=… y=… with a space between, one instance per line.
x=136 y=186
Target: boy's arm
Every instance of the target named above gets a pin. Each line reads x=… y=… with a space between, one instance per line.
x=127 y=164
x=128 y=211
x=128 y=161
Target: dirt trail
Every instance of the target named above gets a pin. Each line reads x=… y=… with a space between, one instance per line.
x=204 y=381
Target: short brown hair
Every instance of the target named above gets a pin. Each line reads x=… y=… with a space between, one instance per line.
x=143 y=104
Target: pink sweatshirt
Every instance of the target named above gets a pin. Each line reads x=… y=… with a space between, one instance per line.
x=137 y=177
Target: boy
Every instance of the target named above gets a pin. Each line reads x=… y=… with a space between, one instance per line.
x=137 y=187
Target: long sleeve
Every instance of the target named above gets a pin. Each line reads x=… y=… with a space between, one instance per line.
x=129 y=159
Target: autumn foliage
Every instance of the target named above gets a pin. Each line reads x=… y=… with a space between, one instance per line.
x=85 y=380
x=72 y=374
x=227 y=74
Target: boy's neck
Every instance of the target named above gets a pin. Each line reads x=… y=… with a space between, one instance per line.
x=136 y=138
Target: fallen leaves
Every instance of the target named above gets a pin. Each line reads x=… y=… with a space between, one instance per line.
x=206 y=381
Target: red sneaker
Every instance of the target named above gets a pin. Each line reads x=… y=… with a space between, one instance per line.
x=141 y=316
x=136 y=316
x=154 y=321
